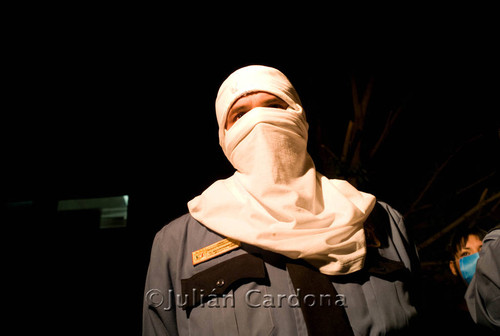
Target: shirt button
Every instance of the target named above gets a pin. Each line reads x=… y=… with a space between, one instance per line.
x=220 y=283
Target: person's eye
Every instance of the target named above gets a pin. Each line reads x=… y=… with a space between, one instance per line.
x=464 y=254
x=239 y=115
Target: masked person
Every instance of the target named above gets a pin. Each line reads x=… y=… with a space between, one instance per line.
x=277 y=248
x=464 y=250
x=475 y=260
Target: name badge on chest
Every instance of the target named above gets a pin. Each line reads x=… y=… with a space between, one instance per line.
x=214 y=250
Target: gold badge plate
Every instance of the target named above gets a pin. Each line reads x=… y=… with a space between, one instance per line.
x=214 y=250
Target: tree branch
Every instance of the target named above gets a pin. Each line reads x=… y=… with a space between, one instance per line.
x=390 y=121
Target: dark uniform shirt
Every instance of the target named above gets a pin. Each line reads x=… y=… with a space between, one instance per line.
x=250 y=291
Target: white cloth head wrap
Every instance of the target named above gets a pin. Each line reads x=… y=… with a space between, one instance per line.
x=276 y=199
x=254 y=78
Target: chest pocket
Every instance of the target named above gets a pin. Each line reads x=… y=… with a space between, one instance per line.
x=217 y=300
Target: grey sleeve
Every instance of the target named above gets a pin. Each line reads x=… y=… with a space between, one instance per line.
x=158 y=316
x=483 y=293
x=403 y=242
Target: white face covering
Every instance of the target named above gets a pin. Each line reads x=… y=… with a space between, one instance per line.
x=276 y=199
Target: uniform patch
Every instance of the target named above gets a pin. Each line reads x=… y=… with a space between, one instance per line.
x=214 y=250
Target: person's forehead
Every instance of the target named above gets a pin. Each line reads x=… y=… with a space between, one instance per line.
x=473 y=240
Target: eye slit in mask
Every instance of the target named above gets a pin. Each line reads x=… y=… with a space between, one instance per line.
x=251 y=101
x=277 y=106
